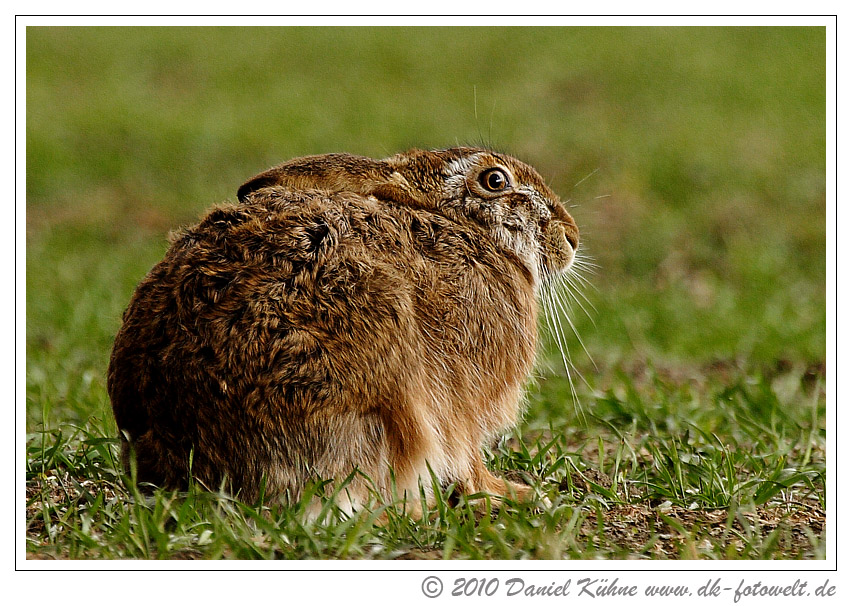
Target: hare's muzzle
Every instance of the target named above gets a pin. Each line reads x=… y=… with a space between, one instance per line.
x=571 y=234
x=561 y=239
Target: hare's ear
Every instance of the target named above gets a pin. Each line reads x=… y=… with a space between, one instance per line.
x=334 y=173
x=311 y=172
x=330 y=172
x=262 y=180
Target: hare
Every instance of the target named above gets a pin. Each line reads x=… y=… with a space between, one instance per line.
x=346 y=314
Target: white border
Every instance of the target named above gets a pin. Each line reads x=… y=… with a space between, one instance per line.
x=345 y=582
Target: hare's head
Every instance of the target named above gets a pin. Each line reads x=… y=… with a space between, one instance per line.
x=495 y=192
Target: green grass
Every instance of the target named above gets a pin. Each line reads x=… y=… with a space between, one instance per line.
x=693 y=160
x=657 y=473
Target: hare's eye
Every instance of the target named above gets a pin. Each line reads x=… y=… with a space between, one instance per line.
x=494 y=180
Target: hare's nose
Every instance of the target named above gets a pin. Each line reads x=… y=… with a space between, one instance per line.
x=572 y=235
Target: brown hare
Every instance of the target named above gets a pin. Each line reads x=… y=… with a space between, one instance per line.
x=347 y=313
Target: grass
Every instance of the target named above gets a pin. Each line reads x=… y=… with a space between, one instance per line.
x=657 y=473
x=692 y=158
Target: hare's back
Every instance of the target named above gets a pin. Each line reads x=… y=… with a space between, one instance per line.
x=297 y=289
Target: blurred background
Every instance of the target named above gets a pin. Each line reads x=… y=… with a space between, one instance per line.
x=693 y=160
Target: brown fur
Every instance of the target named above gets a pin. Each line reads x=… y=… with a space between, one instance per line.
x=348 y=313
